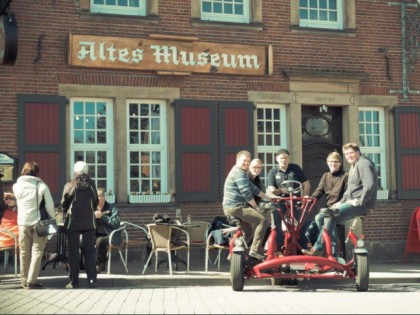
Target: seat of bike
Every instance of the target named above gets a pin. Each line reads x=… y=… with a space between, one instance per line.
x=232 y=220
x=328 y=212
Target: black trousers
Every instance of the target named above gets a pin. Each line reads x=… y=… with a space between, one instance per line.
x=88 y=239
x=101 y=248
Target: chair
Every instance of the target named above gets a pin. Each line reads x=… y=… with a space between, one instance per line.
x=198 y=231
x=127 y=241
x=160 y=235
x=225 y=230
x=8 y=249
x=122 y=247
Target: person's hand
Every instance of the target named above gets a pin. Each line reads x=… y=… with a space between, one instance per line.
x=353 y=202
x=336 y=205
x=98 y=214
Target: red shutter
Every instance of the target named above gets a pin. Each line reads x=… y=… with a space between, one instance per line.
x=42 y=139
x=236 y=133
x=195 y=147
x=407 y=147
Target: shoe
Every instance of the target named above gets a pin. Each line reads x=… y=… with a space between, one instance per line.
x=100 y=267
x=256 y=255
x=312 y=252
x=92 y=284
x=72 y=286
x=24 y=285
x=34 y=285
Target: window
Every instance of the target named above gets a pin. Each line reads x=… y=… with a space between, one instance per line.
x=236 y=11
x=92 y=139
x=321 y=14
x=122 y=7
x=372 y=142
x=271 y=135
x=147 y=155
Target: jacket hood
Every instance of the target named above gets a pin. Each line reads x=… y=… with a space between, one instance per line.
x=29 y=179
x=82 y=182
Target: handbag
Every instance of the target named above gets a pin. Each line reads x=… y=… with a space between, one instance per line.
x=45 y=227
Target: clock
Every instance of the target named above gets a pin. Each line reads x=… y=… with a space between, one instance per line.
x=8 y=39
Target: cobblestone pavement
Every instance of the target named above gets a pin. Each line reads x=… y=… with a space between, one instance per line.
x=199 y=292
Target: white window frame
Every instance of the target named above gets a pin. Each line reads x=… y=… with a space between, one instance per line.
x=162 y=147
x=311 y=23
x=119 y=9
x=89 y=148
x=226 y=17
x=277 y=138
x=372 y=141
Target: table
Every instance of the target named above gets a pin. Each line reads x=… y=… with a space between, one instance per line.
x=60 y=254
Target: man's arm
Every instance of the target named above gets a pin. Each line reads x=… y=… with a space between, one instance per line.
x=306 y=188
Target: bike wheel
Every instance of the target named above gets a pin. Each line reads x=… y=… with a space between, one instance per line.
x=362 y=268
x=237 y=264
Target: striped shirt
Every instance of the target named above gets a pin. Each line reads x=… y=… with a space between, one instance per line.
x=238 y=189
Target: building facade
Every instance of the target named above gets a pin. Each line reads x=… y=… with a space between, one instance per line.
x=158 y=96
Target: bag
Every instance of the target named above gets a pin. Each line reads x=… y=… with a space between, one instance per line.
x=46 y=227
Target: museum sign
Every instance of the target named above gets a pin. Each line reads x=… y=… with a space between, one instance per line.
x=168 y=55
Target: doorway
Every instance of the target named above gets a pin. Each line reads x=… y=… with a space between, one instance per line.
x=321 y=134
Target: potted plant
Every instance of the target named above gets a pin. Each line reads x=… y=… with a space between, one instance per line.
x=110 y=197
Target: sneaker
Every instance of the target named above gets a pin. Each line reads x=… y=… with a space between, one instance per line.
x=256 y=255
x=312 y=252
x=100 y=267
x=34 y=285
x=92 y=284
x=72 y=286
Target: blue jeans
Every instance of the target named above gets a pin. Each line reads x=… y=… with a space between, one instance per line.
x=346 y=212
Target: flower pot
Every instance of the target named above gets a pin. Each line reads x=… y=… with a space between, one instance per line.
x=159 y=198
x=382 y=194
x=110 y=198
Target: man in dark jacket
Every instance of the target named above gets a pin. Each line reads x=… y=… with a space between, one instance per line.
x=107 y=220
x=79 y=202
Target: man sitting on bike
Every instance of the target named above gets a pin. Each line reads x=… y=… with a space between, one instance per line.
x=358 y=199
x=278 y=174
x=238 y=201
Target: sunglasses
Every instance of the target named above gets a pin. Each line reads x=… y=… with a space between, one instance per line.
x=9 y=198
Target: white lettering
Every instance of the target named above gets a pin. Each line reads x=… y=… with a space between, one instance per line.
x=165 y=54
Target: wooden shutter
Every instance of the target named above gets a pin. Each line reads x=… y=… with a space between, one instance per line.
x=236 y=128
x=41 y=138
x=195 y=147
x=407 y=151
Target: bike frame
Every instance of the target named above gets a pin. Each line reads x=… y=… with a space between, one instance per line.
x=300 y=266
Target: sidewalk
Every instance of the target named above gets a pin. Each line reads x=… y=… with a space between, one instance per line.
x=380 y=273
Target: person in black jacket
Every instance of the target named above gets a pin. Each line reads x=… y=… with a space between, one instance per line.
x=79 y=202
x=107 y=220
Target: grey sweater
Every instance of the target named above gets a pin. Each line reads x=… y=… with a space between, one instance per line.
x=362 y=183
x=238 y=189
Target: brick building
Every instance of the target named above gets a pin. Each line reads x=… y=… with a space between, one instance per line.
x=159 y=95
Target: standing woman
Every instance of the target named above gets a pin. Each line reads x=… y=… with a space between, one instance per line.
x=31 y=246
x=79 y=202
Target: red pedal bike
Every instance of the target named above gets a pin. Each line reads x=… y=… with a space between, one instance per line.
x=288 y=265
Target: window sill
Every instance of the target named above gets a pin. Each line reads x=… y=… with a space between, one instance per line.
x=229 y=25
x=322 y=31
